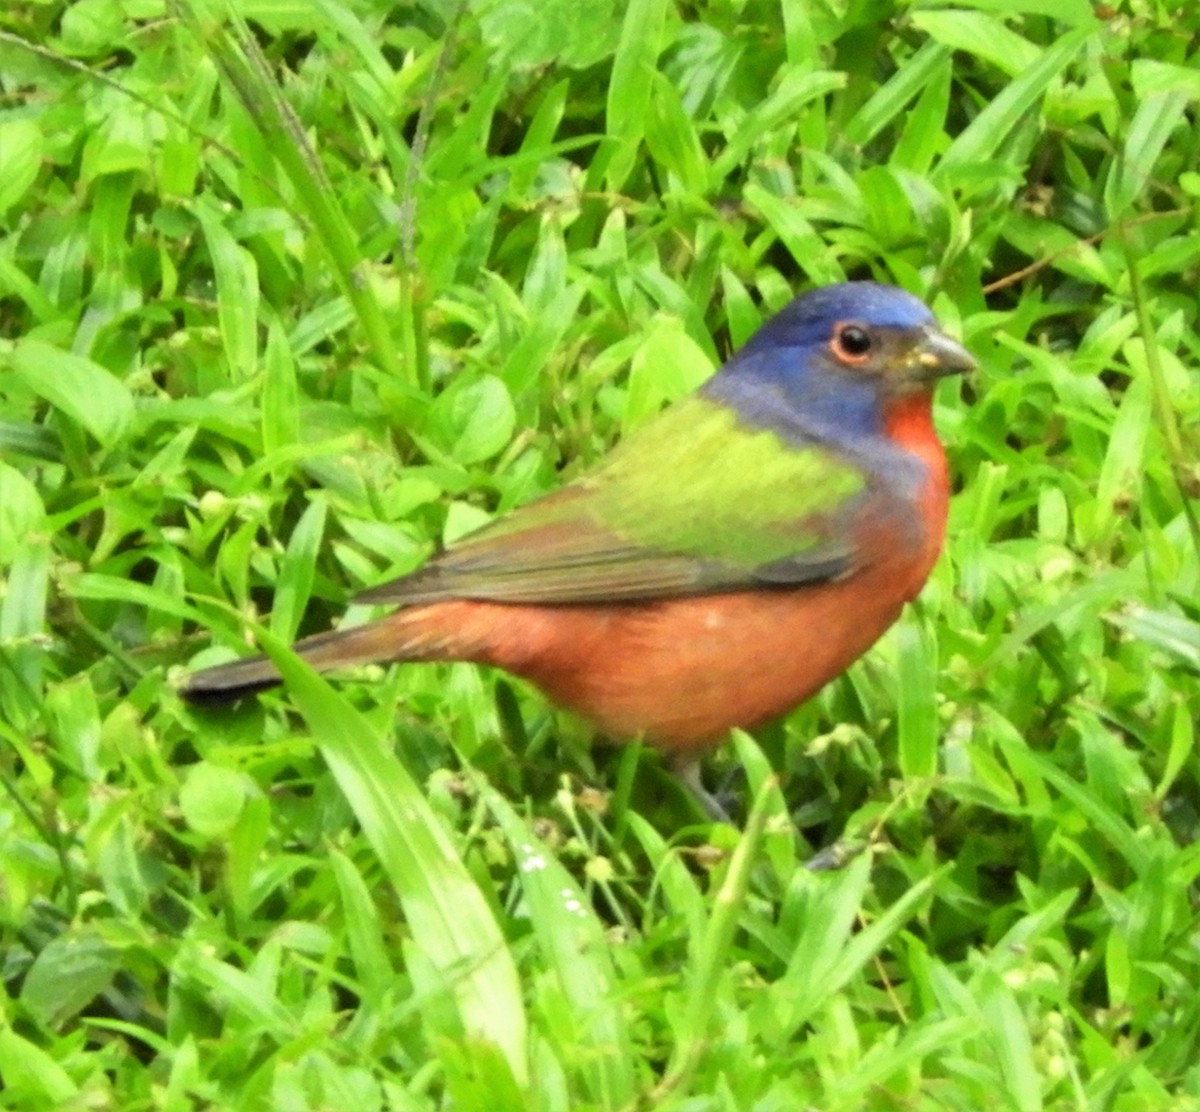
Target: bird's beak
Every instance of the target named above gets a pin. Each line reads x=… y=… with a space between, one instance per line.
x=936 y=355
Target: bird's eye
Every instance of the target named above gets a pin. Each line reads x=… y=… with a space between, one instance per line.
x=851 y=343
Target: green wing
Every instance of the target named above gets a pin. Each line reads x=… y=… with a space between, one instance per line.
x=691 y=503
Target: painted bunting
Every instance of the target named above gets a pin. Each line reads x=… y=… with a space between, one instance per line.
x=723 y=562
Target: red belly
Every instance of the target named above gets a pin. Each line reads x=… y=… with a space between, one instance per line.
x=679 y=672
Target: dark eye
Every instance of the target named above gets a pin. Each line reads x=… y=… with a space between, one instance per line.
x=851 y=341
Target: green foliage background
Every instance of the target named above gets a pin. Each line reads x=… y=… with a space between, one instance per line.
x=291 y=292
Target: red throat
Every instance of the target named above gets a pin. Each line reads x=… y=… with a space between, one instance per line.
x=908 y=421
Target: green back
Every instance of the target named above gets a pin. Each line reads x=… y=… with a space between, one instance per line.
x=692 y=502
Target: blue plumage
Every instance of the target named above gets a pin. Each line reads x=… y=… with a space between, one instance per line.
x=785 y=378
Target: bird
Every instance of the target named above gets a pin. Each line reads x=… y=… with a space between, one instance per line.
x=721 y=564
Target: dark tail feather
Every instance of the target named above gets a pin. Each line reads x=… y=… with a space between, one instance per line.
x=225 y=683
x=383 y=640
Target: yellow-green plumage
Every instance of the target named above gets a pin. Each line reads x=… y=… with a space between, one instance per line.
x=694 y=501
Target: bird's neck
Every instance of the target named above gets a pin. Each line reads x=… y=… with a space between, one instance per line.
x=801 y=411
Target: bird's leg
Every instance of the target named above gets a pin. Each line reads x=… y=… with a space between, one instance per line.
x=687 y=772
x=835 y=856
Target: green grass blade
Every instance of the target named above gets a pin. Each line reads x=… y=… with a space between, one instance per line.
x=281 y=396
x=577 y=951
x=451 y=923
x=364 y=927
x=829 y=952
x=248 y=77
x=890 y=100
x=981 y=139
x=797 y=234
x=1149 y=130
x=714 y=947
x=236 y=278
x=916 y=689
x=296 y=571
x=630 y=84
x=1116 y=830
x=86 y=393
x=785 y=103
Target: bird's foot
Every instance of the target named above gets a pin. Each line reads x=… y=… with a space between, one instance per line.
x=835 y=856
x=687 y=772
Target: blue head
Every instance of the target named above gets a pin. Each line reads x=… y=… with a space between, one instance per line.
x=832 y=360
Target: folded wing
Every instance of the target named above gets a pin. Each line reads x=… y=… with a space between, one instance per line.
x=692 y=503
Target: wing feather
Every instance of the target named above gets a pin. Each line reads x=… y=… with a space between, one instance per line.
x=691 y=504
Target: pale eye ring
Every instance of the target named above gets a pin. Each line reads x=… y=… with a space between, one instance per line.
x=851 y=342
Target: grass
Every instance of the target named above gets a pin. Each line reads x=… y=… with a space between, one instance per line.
x=288 y=302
